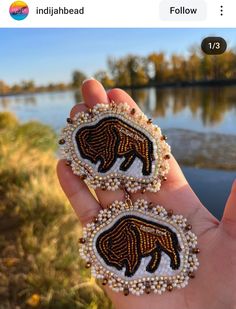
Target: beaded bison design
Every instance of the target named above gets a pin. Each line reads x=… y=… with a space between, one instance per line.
x=111 y=138
x=131 y=238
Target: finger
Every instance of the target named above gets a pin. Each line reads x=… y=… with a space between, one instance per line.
x=80 y=107
x=93 y=93
x=230 y=207
x=120 y=96
x=175 y=177
x=81 y=199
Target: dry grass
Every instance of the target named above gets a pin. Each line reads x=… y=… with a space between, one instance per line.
x=39 y=261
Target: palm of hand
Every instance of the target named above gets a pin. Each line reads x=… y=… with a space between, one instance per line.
x=213 y=286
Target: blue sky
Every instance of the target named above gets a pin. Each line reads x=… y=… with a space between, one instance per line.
x=51 y=55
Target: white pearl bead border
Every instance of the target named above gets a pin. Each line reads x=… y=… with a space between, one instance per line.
x=157 y=284
x=112 y=181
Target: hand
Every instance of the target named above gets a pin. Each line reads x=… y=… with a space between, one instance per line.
x=214 y=285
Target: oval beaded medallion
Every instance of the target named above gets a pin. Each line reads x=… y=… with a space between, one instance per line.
x=114 y=146
x=140 y=247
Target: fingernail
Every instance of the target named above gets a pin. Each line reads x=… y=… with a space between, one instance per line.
x=88 y=79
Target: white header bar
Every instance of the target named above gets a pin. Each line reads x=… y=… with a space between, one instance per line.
x=122 y=13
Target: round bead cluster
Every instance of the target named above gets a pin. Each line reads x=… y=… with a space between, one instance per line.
x=116 y=179
x=149 y=282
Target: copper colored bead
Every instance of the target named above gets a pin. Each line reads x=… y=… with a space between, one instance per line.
x=61 y=141
x=196 y=250
x=88 y=265
x=149 y=121
x=164 y=178
x=169 y=287
x=104 y=281
x=164 y=138
x=126 y=291
x=122 y=183
x=82 y=240
x=191 y=275
x=188 y=227
x=167 y=157
x=95 y=220
x=148 y=289
x=68 y=162
x=170 y=213
x=143 y=190
x=83 y=177
x=150 y=205
x=69 y=120
x=133 y=110
x=179 y=248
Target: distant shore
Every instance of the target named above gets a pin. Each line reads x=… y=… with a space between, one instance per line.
x=151 y=84
x=179 y=84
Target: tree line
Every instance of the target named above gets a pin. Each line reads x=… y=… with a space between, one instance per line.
x=155 y=69
x=159 y=69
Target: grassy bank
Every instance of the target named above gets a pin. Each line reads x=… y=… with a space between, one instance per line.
x=39 y=261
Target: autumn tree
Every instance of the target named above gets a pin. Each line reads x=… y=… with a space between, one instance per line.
x=4 y=88
x=119 y=71
x=159 y=65
x=129 y=71
x=28 y=86
x=193 y=64
x=178 y=66
x=77 y=78
x=103 y=77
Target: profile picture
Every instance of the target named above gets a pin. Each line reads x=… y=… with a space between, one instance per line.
x=19 y=10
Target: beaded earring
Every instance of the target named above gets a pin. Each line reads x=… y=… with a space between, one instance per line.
x=114 y=146
x=135 y=247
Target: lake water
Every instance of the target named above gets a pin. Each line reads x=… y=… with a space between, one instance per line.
x=203 y=110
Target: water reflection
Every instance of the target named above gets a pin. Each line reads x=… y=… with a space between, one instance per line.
x=78 y=96
x=5 y=102
x=210 y=104
x=201 y=109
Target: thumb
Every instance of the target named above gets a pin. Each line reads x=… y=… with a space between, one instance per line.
x=229 y=217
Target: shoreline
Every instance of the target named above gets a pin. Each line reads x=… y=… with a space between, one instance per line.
x=184 y=84
x=178 y=84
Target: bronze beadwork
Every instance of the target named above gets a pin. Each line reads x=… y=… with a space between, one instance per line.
x=138 y=247
x=132 y=238
x=110 y=139
x=129 y=247
x=116 y=146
